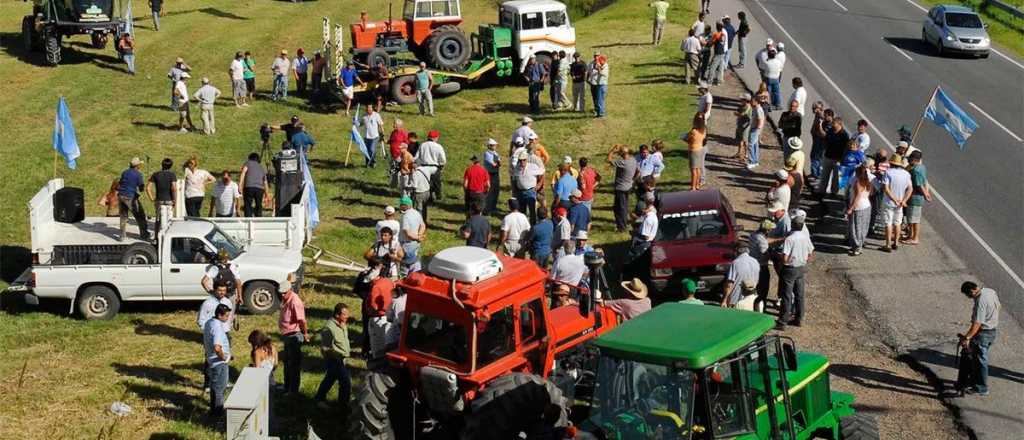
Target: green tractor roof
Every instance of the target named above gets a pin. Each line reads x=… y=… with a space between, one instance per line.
x=695 y=334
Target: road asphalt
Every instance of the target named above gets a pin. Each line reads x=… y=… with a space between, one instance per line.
x=912 y=295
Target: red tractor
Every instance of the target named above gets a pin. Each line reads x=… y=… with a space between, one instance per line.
x=482 y=354
x=428 y=28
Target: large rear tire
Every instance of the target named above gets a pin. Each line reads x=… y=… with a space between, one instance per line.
x=98 y=302
x=514 y=403
x=260 y=298
x=53 y=49
x=448 y=48
x=858 y=426
x=403 y=89
x=381 y=409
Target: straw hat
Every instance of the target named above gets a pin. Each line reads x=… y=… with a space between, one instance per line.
x=636 y=288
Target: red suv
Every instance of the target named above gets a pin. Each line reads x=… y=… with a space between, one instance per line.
x=696 y=239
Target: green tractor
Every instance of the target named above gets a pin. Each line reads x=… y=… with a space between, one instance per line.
x=684 y=371
x=52 y=20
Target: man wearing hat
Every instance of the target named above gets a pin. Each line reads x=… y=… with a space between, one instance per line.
x=744 y=269
x=897 y=188
x=431 y=158
x=389 y=221
x=180 y=103
x=523 y=132
x=206 y=96
x=476 y=183
x=635 y=303
x=690 y=289
x=128 y=190
x=300 y=67
x=292 y=324
x=796 y=179
x=562 y=233
x=582 y=247
x=757 y=244
x=281 y=67
x=563 y=296
x=412 y=232
x=704 y=101
x=780 y=191
x=524 y=179
x=579 y=214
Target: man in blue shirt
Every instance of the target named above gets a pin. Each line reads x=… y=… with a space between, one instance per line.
x=540 y=238
x=730 y=33
x=565 y=186
x=536 y=74
x=218 y=354
x=492 y=163
x=579 y=214
x=347 y=79
x=128 y=199
x=302 y=141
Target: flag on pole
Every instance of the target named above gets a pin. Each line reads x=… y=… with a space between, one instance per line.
x=358 y=138
x=64 y=140
x=313 y=205
x=946 y=114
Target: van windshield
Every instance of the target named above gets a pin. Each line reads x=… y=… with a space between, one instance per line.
x=689 y=225
x=962 y=20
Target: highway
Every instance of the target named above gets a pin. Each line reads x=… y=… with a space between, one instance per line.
x=866 y=56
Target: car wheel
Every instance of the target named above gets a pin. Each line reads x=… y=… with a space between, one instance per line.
x=939 y=49
x=98 y=302
x=924 y=37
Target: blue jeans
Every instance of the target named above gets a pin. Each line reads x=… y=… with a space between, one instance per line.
x=974 y=368
x=336 y=372
x=528 y=204
x=280 y=86
x=775 y=90
x=129 y=59
x=743 y=50
x=371 y=149
x=156 y=19
x=292 y=357
x=411 y=260
x=541 y=258
x=754 y=147
x=535 y=88
x=218 y=384
x=599 y=92
x=817 y=153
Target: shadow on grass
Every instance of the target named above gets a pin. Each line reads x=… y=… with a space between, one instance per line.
x=880 y=379
x=174 y=405
x=162 y=375
x=156 y=125
x=147 y=329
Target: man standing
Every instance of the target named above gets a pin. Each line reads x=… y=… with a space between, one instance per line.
x=206 y=96
x=254 y=186
x=217 y=346
x=568 y=269
x=301 y=141
x=836 y=141
x=705 y=102
x=128 y=199
x=730 y=34
x=691 y=57
x=477 y=230
x=660 y=15
x=646 y=230
x=424 y=82
x=790 y=124
x=412 y=233
x=524 y=180
x=757 y=120
x=588 y=180
x=742 y=32
x=540 y=239
x=126 y=47
x=372 y=126
x=417 y=186
x=536 y=75
x=180 y=100
x=280 y=68
x=597 y=77
x=476 y=184
x=897 y=187
x=514 y=227
x=743 y=269
x=698 y=26
x=522 y=133
x=208 y=311
x=625 y=167
x=165 y=195
x=492 y=163
x=556 y=83
x=719 y=46
x=347 y=79
x=772 y=66
x=578 y=71
x=236 y=71
x=226 y=197
x=156 y=7
x=819 y=129
x=432 y=158
x=563 y=81
x=292 y=325
x=562 y=232
x=249 y=75
x=300 y=67
x=334 y=346
x=317 y=77
x=978 y=339
x=921 y=193
x=799 y=95
x=797 y=251
x=579 y=214
x=863 y=138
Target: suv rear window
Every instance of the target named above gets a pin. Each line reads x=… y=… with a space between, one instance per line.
x=688 y=225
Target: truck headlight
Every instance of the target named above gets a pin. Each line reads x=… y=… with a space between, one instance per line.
x=660 y=273
x=985 y=41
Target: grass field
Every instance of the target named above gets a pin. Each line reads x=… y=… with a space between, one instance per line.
x=59 y=374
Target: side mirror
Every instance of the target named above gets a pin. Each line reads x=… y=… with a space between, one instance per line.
x=984 y=25
x=789 y=355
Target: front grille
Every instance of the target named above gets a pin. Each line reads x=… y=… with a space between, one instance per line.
x=970 y=40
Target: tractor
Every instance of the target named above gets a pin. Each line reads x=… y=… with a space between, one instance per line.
x=685 y=371
x=482 y=354
x=52 y=20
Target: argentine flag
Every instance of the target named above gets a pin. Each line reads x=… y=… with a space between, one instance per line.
x=946 y=114
x=64 y=139
x=313 y=206
x=358 y=138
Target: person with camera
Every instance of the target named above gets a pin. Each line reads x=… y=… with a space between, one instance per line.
x=384 y=255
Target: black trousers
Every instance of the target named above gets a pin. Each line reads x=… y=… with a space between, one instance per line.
x=194 y=206
x=300 y=83
x=621 y=209
x=252 y=202
x=492 y=194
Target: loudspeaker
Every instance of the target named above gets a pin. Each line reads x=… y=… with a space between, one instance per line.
x=288 y=182
x=69 y=205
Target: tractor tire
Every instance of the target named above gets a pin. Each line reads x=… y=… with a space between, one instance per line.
x=448 y=48
x=378 y=55
x=514 y=403
x=53 y=49
x=98 y=302
x=403 y=89
x=99 y=41
x=28 y=33
x=260 y=298
x=381 y=409
x=139 y=253
x=858 y=426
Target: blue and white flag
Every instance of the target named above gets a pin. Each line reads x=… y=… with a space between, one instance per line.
x=946 y=114
x=64 y=140
x=358 y=138
x=313 y=206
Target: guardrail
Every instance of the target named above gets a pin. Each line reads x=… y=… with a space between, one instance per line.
x=1009 y=9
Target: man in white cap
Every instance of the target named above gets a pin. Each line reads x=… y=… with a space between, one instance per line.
x=524 y=179
x=762 y=55
x=492 y=163
x=582 y=247
x=522 y=132
x=206 y=96
x=513 y=228
x=780 y=191
x=704 y=101
x=634 y=304
x=180 y=100
x=281 y=67
x=389 y=221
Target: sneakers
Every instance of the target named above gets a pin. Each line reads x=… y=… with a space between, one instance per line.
x=751 y=166
x=183 y=130
x=974 y=391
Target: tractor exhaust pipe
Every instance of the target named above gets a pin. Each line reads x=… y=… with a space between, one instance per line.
x=598 y=283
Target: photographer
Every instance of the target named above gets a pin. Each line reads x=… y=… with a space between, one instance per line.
x=384 y=256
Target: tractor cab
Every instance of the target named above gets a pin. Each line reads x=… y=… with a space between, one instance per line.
x=684 y=371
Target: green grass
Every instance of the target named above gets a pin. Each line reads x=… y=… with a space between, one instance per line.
x=1003 y=28
x=60 y=374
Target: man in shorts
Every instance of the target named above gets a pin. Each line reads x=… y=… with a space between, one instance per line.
x=921 y=192
x=237 y=73
x=897 y=189
x=347 y=79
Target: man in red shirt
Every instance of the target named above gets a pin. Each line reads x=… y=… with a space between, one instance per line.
x=376 y=305
x=587 y=182
x=476 y=182
x=292 y=325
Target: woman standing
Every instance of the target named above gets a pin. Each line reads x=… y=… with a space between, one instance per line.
x=195 y=187
x=109 y=199
x=695 y=141
x=858 y=211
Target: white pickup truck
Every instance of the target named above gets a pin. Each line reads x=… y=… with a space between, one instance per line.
x=86 y=263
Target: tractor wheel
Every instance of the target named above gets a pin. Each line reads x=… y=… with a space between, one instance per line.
x=53 y=49
x=376 y=56
x=514 y=403
x=28 y=33
x=99 y=41
x=381 y=409
x=448 y=48
x=858 y=426
x=403 y=89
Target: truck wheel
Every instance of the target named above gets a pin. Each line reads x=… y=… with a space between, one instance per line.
x=403 y=89
x=858 y=426
x=99 y=41
x=260 y=298
x=381 y=409
x=514 y=403
x=52 y=49
x=448 y=48
x=139 y=253
x=98 y=302
x=28 y=36
x=378 y=55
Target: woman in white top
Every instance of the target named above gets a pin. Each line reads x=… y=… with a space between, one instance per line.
x=195 y=187
x=858 y=211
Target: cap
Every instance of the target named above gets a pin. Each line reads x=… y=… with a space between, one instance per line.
x=689 y=286
x=522 y=155
x=560 y=211
x=781 y=45
x=725 y=17
x=636 y=288
x=795 y=143
x=434 y=134
x=576 y=193
x=567 y=160
x=903 y=144
x=781 y=174
x=285 y=286
x=405 y=201
x=136 y=162
x=185 y=75
x=491 y=141
x=766 y=225
x=527 y=119
x=791 y=163
x=206 y=80
x=179 y=60
x=581 y=235
x=897 y=160
x=532 y=136
x=388 y=210
x=702 y=85
x=295 y=118
x=518 y=140
x=284 y=52
x=745 y=97
x=769 y=42
x=798 y=214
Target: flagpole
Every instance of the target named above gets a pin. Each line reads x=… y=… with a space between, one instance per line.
x=921 y=121
x=349 y=152
x=54 y=163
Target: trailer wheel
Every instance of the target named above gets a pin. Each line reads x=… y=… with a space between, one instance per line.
x=382 y=409
x=448 y=48
x=98 y=302
x=139 y=253
x=514 y=403
x=858 y=426
x=99 y=41
x=376 y=56
x=52 y=49
x=403 y=89
x=28 y=34
x=260 y=298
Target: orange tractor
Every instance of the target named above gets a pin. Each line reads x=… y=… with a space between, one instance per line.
x=428 y=28
x=482 y=354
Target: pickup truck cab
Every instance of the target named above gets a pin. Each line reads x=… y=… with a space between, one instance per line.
x=696 y=239
x=86 y=262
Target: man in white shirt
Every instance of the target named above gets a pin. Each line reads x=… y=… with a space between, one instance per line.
x=704 y=101
x=513 y=226
x=207 y=311
x=300 y=67
x=569 y=268
x=797 y=251
x=524 y=179
x=281 y=68
x=863 y=139
x=372 y=124
x=226 y=197
x=432 y=159
x=523 y=132
x=799 y=94
x=646 y=230
x=698 y=26
x=897 y=188
x=236 y=71
x=418 y=188
x=413 y=232
x=744 y=269
x=389 y=221
x=780 y=193
x=691 y=56
x=206 y=96
x=180 y=99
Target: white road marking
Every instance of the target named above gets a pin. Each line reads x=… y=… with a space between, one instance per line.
x=996 y=51
x=840 y=5
x=898 y=50
x=999 y=260
x=994 y=121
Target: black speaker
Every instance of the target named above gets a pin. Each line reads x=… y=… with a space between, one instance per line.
x=288 y=182
x=69 y=205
